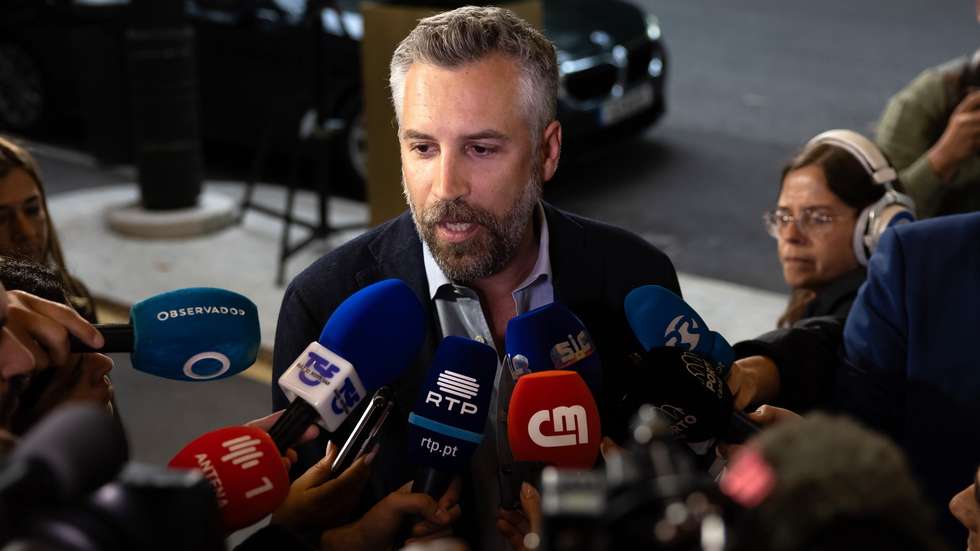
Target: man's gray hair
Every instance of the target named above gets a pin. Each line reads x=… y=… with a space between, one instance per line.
x=470 y=34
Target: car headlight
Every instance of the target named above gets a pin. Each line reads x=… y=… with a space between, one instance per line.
x=653 y=27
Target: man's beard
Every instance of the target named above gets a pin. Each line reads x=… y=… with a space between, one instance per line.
x=489 y=251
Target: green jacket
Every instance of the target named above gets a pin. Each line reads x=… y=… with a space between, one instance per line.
x=913 y=121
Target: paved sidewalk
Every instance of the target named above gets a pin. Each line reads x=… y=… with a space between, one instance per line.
x=124 y=270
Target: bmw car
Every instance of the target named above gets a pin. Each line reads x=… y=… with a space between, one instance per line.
x=265 y=66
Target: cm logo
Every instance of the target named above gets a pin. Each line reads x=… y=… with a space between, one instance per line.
x=570 y=420
x=683 y=332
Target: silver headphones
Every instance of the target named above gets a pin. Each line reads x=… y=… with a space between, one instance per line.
x=892 y=209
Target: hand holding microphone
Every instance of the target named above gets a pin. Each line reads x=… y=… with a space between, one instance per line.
x=44 y=329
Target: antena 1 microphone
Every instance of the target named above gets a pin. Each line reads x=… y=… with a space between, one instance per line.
x=449 y=417
x=372 y=337
x=660 y=318
x=552 y=337
x=553 y=419
x=245 y=469
x=194 y=334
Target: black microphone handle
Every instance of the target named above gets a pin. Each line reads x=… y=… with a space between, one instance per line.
x=432 y=482
x=285 y=432
x=119 y=337
x=740 y=428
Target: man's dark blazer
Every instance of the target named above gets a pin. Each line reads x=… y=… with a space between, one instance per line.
x=594 y=266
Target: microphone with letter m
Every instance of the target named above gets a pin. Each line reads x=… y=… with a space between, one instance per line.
x=553 y=419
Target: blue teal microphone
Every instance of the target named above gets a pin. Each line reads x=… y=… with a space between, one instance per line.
x=194 y=334
x=447 y=423
x=552 y=337
x=369 y=340
x=660 y=318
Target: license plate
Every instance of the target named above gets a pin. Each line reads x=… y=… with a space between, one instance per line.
x=633 y=101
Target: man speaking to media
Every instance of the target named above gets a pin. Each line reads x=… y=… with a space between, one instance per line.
x=475 y=93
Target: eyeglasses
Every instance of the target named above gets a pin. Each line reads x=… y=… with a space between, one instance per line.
x=812 y=221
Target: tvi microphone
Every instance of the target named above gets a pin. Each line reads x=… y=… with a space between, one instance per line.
x=369 y=340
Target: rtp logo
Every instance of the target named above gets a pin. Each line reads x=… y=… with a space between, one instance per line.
x=455 y=384
x=683 y=332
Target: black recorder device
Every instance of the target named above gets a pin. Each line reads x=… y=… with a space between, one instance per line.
x=365 y=434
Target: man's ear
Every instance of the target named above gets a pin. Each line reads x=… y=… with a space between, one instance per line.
x=550 y=150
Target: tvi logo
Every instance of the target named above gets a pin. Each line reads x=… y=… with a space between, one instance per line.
x=317 y=370
x=454 y=384
x=574 y=349
x=683 y=332
x=570 y=420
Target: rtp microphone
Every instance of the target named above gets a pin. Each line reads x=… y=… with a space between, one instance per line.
x=552 y=337
x=447 y=423
x=553 y=419
x=72 y=451
x=245 y=470
x=659 y=318
x=194 y=334
x=687 y=388
x=372 y=337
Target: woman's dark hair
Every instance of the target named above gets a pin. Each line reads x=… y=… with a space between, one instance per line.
x=14 y=156
x=845 y=175
x=846 y=178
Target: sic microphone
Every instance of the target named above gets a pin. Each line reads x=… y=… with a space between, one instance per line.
x=447 y=423
x=194 y=334
x=72 y=451
x=659 y=318
x=553 y=419
x=552 y=337
x=245 y=470
x=372 y=337
x=687 y=388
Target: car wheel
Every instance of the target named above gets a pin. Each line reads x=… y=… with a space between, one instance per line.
x=350 y=151
x=22 y=102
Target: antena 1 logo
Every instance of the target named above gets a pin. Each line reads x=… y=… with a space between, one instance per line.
x=571 y=420
x=451 y=384
x=683 y=332
x=244 y=453
x=572 y=350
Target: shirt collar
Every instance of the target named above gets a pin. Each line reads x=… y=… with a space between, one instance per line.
x=541 y=270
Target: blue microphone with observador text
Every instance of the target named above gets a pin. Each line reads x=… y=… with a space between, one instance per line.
x=194 y=334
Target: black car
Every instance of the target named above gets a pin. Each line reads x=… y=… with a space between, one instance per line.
x=266 y=68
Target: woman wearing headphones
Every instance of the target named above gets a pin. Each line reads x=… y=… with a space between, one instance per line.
x=836 y=198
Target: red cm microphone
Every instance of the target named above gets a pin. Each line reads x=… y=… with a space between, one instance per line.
x=245 y=469
x=553 y=419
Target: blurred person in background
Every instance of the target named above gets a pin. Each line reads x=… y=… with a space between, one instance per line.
x=825 y=225
x=911 y=371
x=26 y=230
x=930 y=130
x=825 y=483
